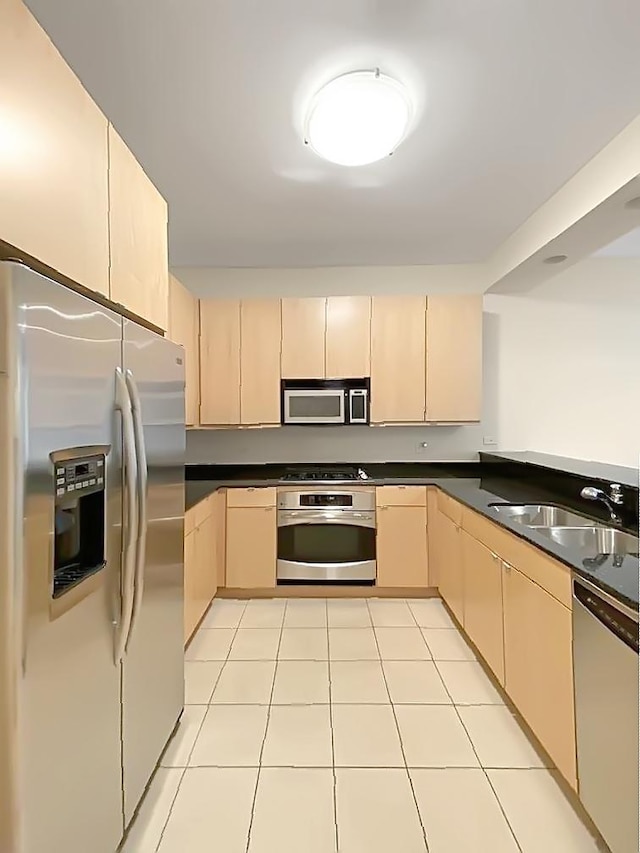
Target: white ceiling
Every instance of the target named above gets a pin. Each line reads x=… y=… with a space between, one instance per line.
x=513 y=97
x=627 y=246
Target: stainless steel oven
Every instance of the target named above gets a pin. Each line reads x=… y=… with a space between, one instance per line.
x=326 y=536
x=325 y=401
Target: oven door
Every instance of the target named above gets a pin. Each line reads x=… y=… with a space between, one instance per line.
x=313 y=406
x=326 y=546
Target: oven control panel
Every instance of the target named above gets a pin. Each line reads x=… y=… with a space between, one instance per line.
x=79 y=476
x=326 y=500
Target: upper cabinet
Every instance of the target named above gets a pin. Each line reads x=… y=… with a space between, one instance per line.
x=219 y=362
x=184 y=329
x=348 y=337
x=454 y=358
x=398 y=359
x=53 y=156
x=303 y=338
x=138 y=233
x=260 y=331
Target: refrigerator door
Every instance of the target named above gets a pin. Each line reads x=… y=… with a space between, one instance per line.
x=153 y=664
x=68 y=349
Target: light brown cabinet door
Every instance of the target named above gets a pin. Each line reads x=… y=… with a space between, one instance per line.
x=219 y=362
x=538 y=666
x=454 y=358
x=251 y=547
x=398 y=359
x=483 y=602
x=184 y=329
x=53 y=156
x=348 y=342
x=139 y=277
x=191 y=606
x=402 y=546
x=220 y=516
x=207 y=566
x=303 y=338
x=450 y=571
x=260 y=335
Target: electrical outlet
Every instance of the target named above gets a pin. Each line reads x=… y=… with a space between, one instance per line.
x=488 y=440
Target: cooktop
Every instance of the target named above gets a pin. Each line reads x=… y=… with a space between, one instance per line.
x=324 y=474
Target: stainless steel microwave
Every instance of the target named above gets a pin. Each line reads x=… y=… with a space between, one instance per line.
x=325 y=401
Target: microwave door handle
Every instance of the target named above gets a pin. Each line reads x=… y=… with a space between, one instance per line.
x=141 y=541
x=123 y=404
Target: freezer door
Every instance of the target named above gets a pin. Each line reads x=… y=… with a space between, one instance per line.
x=153 y=665
x=68 y=349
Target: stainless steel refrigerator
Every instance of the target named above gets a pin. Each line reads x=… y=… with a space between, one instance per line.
x=96 y=577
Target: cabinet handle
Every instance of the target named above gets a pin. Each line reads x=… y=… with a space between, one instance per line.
x=269 y=508
x=494 y=556
x=506 y=565
x=383 y=507
x=458 y=528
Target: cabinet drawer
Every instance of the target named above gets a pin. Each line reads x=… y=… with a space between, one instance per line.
x=401 y=496
x=251 y=497
x=550 y=574
x=451 y=508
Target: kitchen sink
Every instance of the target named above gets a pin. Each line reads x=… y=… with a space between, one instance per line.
x=591 y=541
x=541 y=515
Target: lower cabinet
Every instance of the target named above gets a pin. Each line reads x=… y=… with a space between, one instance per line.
x=402 y=546
x=251 y=547
x=450 y=570
x=539 y=667
x=483 y=602
x=202 y=556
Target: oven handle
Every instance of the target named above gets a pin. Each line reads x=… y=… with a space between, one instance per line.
x=287 y=518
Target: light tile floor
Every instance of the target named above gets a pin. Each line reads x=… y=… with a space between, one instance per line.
x=347 y=726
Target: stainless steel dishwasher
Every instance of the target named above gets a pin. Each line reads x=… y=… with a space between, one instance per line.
x=605 y=662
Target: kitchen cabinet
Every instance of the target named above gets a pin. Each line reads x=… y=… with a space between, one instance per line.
x=219 y=502
x=401 y=546
x=450 y=571
x=348 y=337
x=538 y=666
x=184 y=329
x=303 y=338
x=398 y=374
x=219 y=362
x=454 y=358
x=260 y=335
x=53 y=156
x=435 y=543
x=200 y=563
x=483 y=602
x=139 y=271
x=251 y=547
x=401 y=496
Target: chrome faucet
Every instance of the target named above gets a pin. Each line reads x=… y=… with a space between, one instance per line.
x=614 y=498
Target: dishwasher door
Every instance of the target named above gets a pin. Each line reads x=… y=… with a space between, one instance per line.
x=605 y=662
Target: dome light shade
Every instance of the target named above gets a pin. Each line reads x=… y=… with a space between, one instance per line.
x=358 y=118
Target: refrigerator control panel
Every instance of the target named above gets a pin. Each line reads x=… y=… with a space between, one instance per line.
x=79 y=476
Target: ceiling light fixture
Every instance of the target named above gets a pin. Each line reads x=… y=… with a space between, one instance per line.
x=358 y=118
x=555 y=259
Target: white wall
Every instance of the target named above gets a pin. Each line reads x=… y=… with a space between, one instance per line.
x=332 y=281
x=345 y=444
x=568 y=355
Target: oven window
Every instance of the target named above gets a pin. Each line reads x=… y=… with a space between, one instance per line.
x=321 y=406
x=326 y=543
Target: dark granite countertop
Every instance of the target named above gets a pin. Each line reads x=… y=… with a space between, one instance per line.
x=618 y=577
x=580 y=467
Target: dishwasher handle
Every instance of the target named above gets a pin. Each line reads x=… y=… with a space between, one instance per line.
x=615 y=616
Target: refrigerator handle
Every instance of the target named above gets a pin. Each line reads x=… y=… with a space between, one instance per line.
x=141 y=544
x=123 y=404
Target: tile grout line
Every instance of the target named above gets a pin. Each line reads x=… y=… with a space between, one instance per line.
x=393 y=711
x=170 y=811
x=333 y=748
x=185 y=768
x=473 y=746
x=266 y=730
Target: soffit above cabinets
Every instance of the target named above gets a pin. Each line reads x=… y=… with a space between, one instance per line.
x=512 y=99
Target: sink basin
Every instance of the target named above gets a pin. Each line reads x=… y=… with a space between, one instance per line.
x=591 y=541
x=544 y=515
